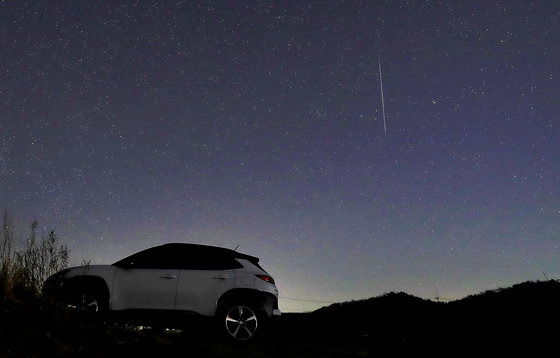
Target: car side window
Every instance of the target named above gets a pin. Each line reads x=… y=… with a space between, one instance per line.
x=201 y=259
x=216 y=263
x=155 y=258
x=128 y=262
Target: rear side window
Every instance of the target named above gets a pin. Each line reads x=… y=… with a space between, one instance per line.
x=208 y=262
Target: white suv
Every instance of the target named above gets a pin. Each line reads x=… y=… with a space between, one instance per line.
x=167 y=281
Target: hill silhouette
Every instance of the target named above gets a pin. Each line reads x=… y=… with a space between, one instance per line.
x=520 y=318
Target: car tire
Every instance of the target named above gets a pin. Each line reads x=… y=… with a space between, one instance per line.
x=86 y=301
x=241 y=322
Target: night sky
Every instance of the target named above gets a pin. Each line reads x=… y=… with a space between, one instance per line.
x=260 y=124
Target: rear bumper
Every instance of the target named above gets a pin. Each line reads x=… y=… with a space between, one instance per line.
x=270 y=305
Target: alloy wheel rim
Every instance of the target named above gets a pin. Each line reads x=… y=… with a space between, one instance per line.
x=241 y=322
x=85 y=303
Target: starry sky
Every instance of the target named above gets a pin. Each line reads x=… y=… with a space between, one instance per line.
x=125 y=125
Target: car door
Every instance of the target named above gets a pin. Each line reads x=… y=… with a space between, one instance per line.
x=147 y=280
x=203 y=279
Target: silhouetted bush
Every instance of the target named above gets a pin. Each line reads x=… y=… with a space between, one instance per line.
x=23 y=271
x=6 y=241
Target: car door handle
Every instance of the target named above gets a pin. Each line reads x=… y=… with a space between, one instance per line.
x=221 y=277
x=168 y=277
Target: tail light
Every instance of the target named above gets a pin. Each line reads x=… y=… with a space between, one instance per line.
x=266 y=278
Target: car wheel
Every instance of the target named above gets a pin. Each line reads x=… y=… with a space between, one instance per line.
x=241 y=322
x=84 y=300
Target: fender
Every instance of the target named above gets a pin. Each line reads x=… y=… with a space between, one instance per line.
x=265 y=301
x=96 y=283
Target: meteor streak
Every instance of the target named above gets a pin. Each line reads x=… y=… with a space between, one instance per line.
x=381 y=87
